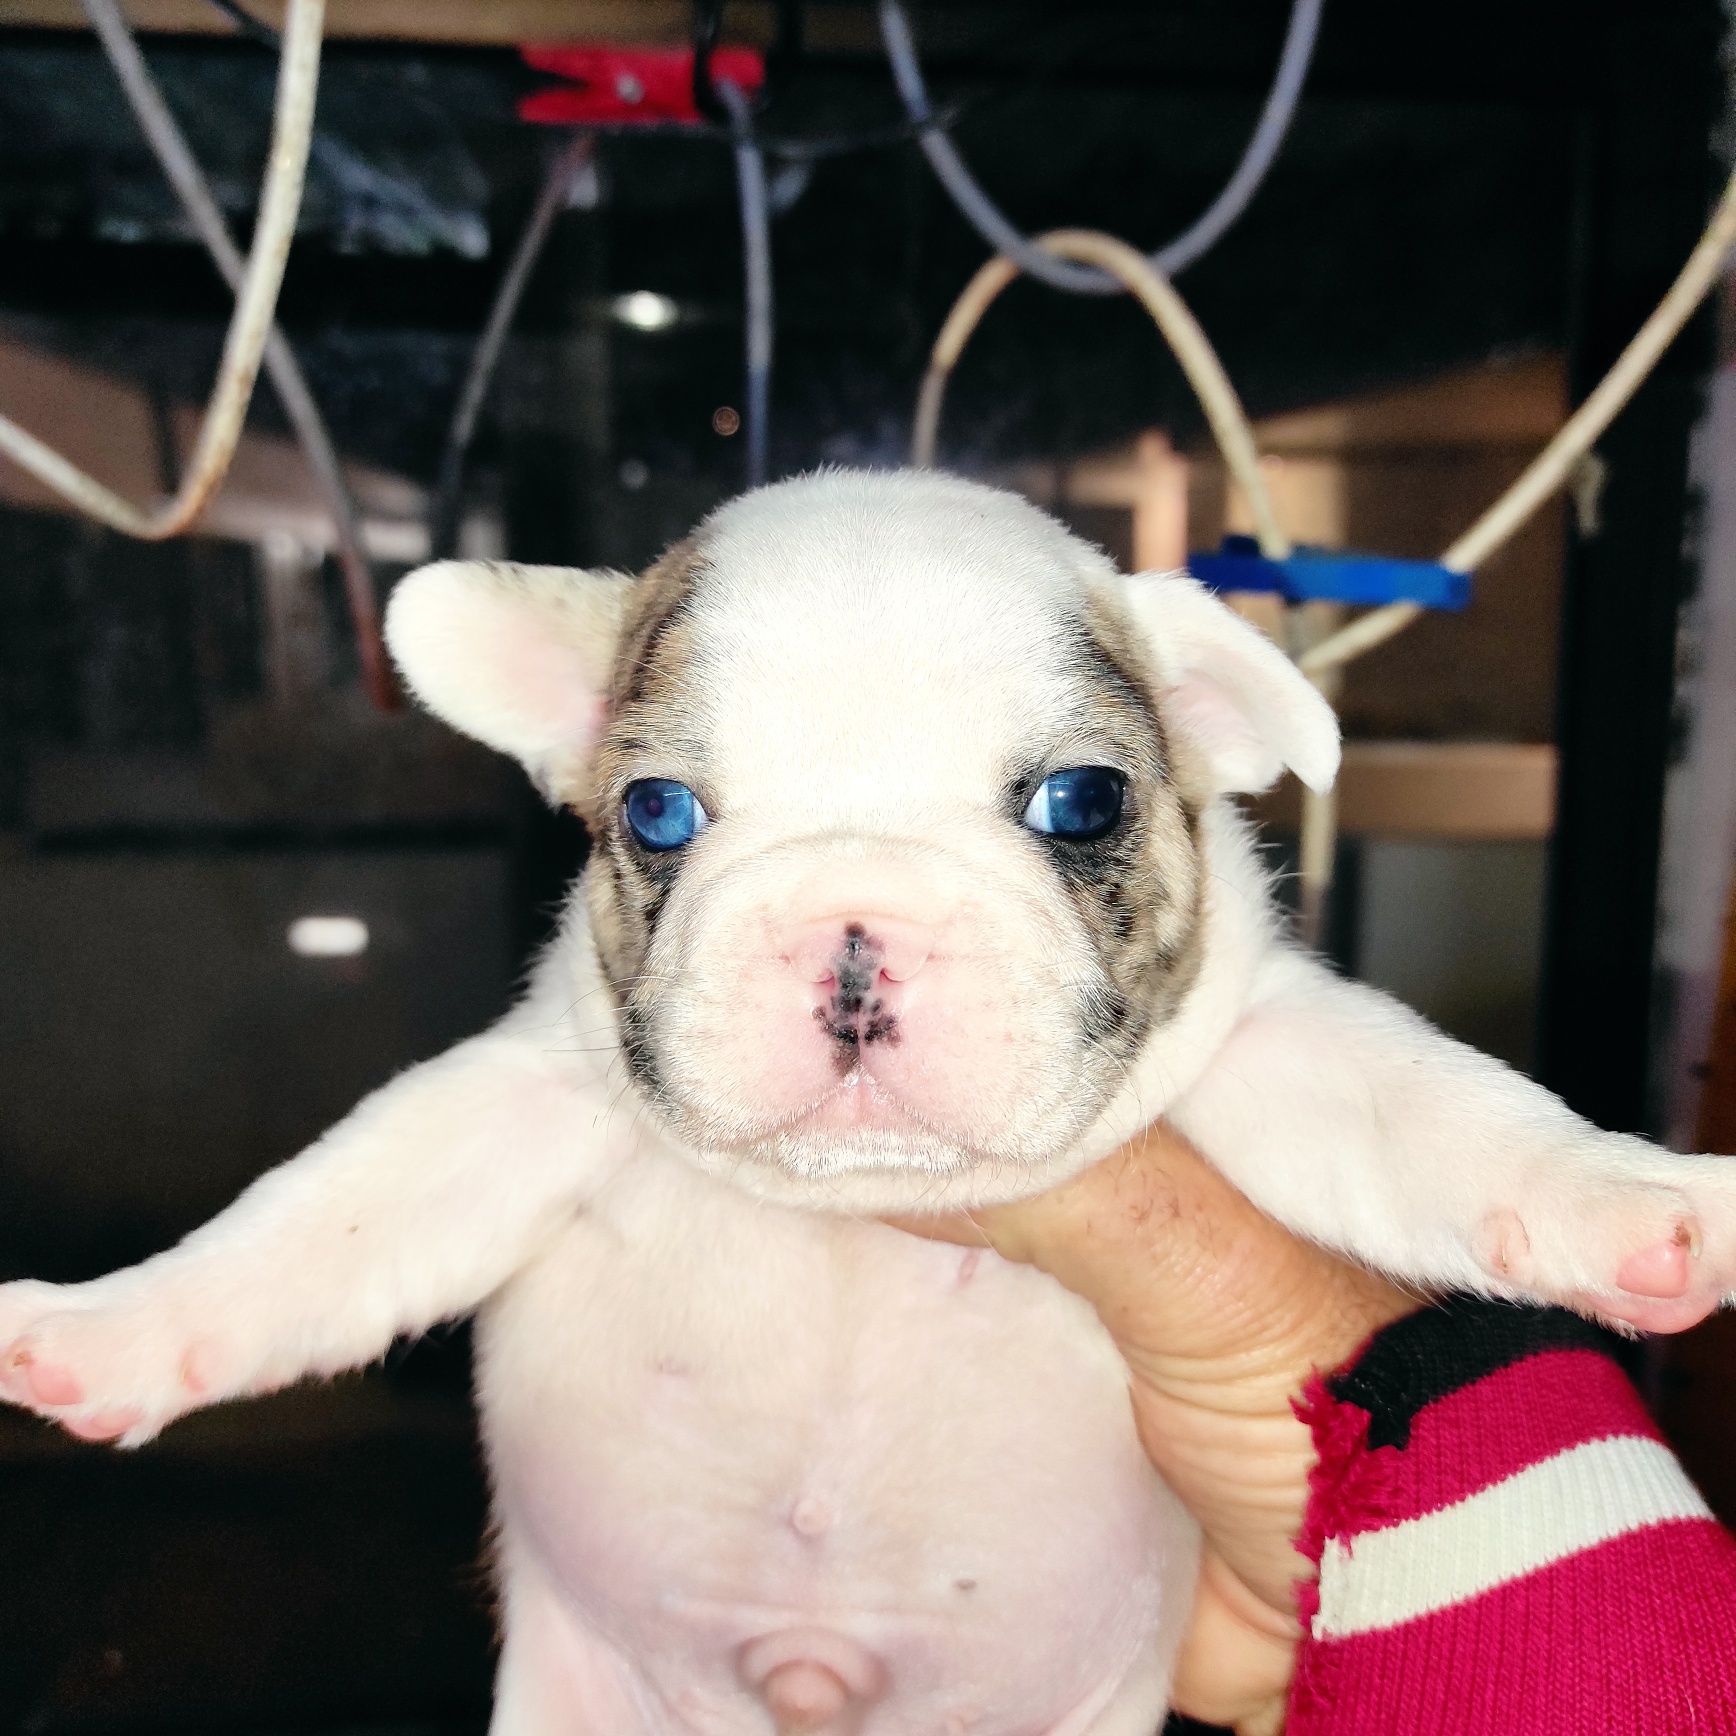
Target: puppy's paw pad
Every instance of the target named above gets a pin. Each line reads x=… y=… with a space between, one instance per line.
x=21 y=1306
x=199 y=1368
x=83 y=1366
x=43 y=1383
x=106 y=1425
x=1502 y=1247
x=1665 y=1270
x=1636 y=1314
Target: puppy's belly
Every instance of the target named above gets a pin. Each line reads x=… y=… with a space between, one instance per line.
x=725 y=1434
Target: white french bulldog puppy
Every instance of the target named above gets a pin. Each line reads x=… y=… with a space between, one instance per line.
x=917 y=884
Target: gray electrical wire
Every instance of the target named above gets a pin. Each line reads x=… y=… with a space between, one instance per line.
x=993 y=225
x=750 y=181
x=194 y=191
x=485 y=358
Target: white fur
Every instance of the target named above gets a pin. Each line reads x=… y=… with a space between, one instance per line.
x=729 y=1431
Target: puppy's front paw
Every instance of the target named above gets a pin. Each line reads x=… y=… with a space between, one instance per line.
x=1636 y=1236
x=109 y=1361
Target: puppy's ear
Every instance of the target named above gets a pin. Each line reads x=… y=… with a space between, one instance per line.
x=1245 y=709
x=516 y=656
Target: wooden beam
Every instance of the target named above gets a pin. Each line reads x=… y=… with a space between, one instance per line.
x=1447 y=791
x=496 y=23
x=1520 y=402
x=1517 y=405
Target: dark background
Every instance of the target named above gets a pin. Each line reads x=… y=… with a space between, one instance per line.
x=1462 y=183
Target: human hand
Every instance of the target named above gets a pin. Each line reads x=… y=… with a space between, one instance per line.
x=1222 y=1317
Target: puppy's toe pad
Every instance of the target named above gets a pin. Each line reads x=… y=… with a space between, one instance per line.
x=46 y=1382
x=1662 y=1271
x=107 y=1425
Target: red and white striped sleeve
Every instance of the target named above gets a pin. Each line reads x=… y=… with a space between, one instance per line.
x=1505 y=1546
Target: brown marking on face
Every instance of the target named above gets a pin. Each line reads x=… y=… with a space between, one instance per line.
x=656 y=610
x=1137 y=892
x=653 y=692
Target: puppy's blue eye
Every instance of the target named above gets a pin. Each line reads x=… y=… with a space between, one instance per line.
x=1079 y=804
x=663 y=814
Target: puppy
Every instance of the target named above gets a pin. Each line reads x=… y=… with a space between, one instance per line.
x=916 y=884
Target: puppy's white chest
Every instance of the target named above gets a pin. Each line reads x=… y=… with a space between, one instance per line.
x=729 y=1433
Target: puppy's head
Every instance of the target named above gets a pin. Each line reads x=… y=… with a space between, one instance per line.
x=894 y=787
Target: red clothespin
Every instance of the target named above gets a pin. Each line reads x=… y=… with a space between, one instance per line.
x=613 y=87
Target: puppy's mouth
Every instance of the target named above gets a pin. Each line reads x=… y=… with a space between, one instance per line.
x=858 y=1142
x=857 y=1124
x=859 y=1103
x=857 y=1106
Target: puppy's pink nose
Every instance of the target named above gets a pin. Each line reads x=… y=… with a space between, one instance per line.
x=863 y=951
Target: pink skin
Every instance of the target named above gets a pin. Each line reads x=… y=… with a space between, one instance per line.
x=811 y=1679
x=804 y=1696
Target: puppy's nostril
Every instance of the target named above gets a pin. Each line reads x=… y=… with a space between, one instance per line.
x=901 y=964
x=812 y=963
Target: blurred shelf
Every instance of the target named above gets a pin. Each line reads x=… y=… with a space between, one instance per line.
x=1445 y=791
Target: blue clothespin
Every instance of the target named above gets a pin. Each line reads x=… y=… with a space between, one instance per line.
x=1310 y=575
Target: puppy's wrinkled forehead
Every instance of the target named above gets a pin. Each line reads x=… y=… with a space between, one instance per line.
x=869 y=641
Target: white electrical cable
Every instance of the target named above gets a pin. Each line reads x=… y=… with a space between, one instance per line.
x=1193 y=350
x=993 y=225
x=249 y=325
x=1550 y=469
